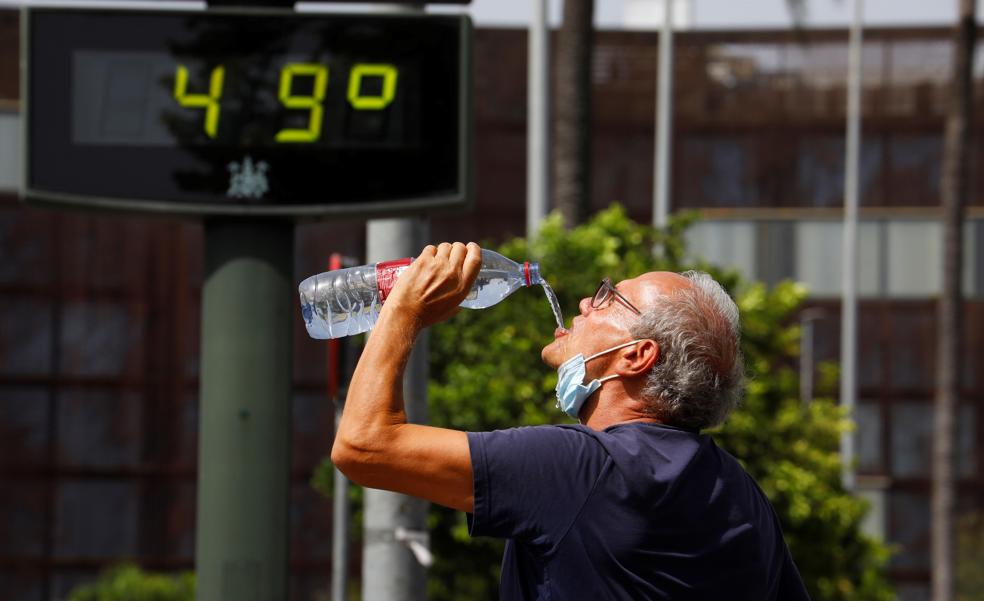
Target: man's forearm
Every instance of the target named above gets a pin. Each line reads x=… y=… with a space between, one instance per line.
x=374 y=403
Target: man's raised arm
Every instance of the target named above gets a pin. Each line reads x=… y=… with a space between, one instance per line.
x=374 y=445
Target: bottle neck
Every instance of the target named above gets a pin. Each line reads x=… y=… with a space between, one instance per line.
x=532 y=273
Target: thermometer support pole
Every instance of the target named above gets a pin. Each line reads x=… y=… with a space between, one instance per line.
x=248 y=306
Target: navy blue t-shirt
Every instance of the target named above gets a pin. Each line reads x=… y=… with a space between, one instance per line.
x=635 y=512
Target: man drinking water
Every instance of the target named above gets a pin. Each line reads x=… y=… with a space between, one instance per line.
x=632 y=503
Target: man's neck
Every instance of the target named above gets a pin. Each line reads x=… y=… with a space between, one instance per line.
x=607 y=408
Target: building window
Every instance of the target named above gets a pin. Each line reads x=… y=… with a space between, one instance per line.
x=10 y=151
x=914 y=258
x=909 y=529
x=868 y=437
x=898 y=259
x=912 y=440
x=819 y=246
x=728 y=244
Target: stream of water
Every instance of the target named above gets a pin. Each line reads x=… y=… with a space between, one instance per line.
x=554 y=304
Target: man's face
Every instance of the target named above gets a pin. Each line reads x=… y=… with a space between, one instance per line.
x=596 y=329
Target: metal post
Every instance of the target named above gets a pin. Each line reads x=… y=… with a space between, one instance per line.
x=248 y=307
x=849 y=304
x=393 y=566
x=538 y=124
x=664 y=121
x=341 y=510
x=806 y=361
x=807 y=319
x=341 y=514
x=391 y=569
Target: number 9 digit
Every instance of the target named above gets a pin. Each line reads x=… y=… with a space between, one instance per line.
x=311 y=103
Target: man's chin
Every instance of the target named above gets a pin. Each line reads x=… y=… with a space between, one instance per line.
x=550 y=354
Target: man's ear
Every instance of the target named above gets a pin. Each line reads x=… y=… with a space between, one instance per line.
x=637 y=359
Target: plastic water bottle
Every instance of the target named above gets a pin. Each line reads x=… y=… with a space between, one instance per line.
x=345 y=302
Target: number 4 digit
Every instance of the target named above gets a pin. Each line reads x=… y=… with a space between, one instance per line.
x=209 y=102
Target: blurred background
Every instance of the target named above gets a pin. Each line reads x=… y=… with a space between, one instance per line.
x=100 y=314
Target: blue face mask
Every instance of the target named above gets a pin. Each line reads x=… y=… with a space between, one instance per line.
x=571 y=390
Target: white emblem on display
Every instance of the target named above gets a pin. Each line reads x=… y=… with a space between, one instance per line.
x=248 y=180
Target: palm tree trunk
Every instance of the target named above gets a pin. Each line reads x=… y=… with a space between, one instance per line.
x=953 y=189
x=573 y=112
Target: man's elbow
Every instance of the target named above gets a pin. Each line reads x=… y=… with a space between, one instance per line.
x=353 y=459
x=344 y=456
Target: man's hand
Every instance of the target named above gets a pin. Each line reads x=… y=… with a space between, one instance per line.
x=432 y=288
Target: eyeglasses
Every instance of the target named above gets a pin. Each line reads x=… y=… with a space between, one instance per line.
x=604 y=294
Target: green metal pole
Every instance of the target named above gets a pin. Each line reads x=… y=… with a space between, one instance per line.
x=244 y=434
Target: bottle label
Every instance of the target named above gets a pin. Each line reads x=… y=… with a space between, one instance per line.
x=386 y=274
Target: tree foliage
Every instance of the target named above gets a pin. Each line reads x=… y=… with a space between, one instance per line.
x=486 y=373
x=127 y=582
x=970 y=557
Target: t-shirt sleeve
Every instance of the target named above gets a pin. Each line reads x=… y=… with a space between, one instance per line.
x=791 y=587
x=530 y=483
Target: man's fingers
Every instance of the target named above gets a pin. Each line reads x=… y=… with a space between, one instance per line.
x=428 y=251
x=443 y=251
x=457 y=256
x=472 y=264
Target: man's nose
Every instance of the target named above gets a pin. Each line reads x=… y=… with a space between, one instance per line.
x=584 y=305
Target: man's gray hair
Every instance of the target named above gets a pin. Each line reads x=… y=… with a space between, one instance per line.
x=699 y=376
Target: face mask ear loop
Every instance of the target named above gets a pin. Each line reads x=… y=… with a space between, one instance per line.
x=614 y=348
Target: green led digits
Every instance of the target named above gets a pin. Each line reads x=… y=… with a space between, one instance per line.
x=209 y=102
x=311 y=102
x=374 y=103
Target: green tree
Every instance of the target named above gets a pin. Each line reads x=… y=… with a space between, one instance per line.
x=127 y=582
x=486 y=373
x=969 y=578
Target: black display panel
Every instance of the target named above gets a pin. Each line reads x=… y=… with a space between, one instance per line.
x=265 y=113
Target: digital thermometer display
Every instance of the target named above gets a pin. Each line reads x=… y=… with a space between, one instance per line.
x=262 y=112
